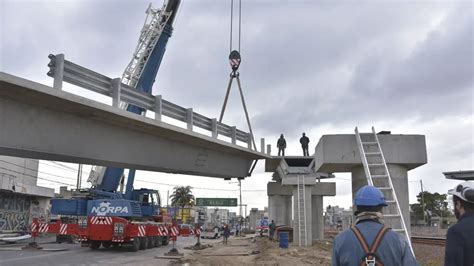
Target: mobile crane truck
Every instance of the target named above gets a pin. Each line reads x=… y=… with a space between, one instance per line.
x=104 y=215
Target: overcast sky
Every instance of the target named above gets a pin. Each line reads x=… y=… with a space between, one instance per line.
x=320 y=67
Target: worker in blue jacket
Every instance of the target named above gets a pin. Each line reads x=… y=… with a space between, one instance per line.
x=369 y=242
x=460 y=238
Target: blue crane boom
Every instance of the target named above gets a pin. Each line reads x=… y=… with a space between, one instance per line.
x=140 y=74
x=113 y=175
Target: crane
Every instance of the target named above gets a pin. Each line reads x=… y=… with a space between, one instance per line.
x=140 y=74
x=106 y=216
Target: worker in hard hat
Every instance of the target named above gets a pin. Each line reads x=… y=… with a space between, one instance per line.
x=460 y=238
x=369 y=242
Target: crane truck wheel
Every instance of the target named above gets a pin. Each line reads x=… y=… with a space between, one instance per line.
x=106 y=244
x=143 y=243
x=150 y=241
x=157 y=241
x=94 y=244
x=165 y=241
x=135 y=244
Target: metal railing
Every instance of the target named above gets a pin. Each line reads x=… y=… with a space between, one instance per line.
x=65 y=71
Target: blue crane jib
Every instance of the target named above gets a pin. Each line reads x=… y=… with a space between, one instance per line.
x=112 y=175
x=103 y=198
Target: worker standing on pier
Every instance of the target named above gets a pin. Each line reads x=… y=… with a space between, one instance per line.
x=281 y=144
x=304 y=144
x=460 y=238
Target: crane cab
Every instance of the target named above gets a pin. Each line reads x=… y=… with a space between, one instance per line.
x=149 y=201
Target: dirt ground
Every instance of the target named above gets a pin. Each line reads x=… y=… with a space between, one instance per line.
x=258 y=251
x=261 y=251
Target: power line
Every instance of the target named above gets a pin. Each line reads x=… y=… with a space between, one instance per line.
x=65 y=166
x=36 y=170
x=38 y=177
x=59 y=167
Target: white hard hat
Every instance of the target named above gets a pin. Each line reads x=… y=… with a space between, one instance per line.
x=464 y=191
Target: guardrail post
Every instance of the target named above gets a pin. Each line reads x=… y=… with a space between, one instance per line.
x=249 y=141
x=262 y=145
x=233 y=134
x=59 y=72
x=269 y=149
x=158 y=107
x=214 y=127
x=189 y=118
x=116 y=88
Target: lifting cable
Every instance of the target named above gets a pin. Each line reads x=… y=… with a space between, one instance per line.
x=234 y=60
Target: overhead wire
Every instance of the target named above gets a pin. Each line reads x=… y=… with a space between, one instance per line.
x=36 y=170
x=38 y=177
x=65 y=166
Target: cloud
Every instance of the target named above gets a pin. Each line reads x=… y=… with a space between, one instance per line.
x=320 y=67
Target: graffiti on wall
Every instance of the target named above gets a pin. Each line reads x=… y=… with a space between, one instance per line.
x=14 y=212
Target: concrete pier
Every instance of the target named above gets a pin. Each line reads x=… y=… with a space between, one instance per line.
x=340 y=153
x=279 y=203
x=287 y=171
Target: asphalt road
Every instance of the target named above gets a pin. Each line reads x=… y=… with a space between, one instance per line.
x=77 y=255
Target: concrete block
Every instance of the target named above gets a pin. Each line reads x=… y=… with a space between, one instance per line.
x=276 y=188
x=339 y=153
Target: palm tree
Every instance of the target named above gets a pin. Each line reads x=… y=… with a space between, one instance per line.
x=182 y=197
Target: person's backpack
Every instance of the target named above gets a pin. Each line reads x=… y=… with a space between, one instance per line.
x=370 y=257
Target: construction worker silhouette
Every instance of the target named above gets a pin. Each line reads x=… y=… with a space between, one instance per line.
x=304 y=144
x=281 y=144
x=460 y=237
x=369 y=242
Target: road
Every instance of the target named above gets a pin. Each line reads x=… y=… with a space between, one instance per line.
x=75 y=254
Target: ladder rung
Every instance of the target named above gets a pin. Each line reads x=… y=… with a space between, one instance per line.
x=385 y=188
x=390 y=201
x=370 y=143
x=378 y=176
x=398 y=230
x=373 y=153
x=375 y=164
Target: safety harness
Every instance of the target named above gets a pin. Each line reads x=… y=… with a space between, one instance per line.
x=370 y=258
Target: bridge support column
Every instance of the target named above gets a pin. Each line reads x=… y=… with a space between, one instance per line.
x=279 y=203
x=317 y=218
x=308 y=216
x=399 y=175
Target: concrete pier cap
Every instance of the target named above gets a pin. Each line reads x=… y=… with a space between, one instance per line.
x=340 y=153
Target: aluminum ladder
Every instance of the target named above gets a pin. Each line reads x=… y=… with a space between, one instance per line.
x=377 y=174
x=303 y=241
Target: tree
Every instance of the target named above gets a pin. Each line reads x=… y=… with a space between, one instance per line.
x=182 y=197
x=435 y=203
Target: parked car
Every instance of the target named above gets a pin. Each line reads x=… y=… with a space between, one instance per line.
x=211 y=233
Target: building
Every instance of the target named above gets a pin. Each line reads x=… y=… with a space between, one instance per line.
x=338 y=218
x=256 y=214
x=21 y=199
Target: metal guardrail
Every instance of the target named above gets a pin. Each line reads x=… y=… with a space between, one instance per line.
x=62 y=70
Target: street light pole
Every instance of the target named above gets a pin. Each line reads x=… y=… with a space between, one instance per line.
x=240 y=196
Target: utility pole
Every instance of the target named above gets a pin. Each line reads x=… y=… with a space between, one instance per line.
x=240 y=200
x=167 y=198
x=422 y=202
x=79 y=177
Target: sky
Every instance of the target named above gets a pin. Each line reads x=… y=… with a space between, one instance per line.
x=320 y=67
